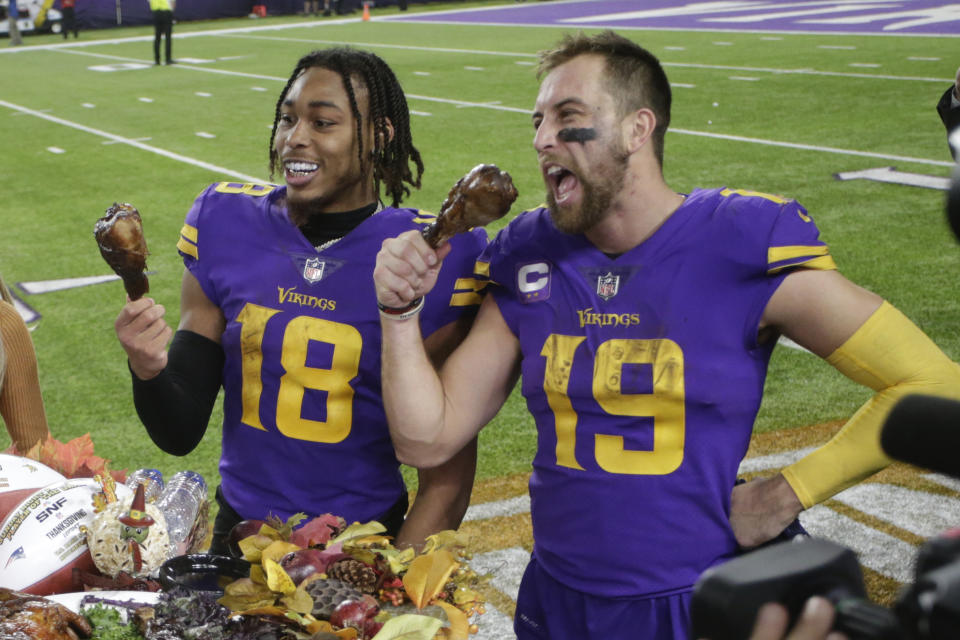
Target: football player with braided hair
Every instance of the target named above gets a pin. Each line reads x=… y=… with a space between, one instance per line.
x=391 y=154
x=642 y=321
x=278 y=307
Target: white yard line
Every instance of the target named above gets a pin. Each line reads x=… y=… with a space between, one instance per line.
x=879 y=551
x=223 y=171
x=919 y=512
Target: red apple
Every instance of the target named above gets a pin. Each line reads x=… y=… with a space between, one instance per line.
x=241 y=530
x=354 y=612
x=371 y=628
x=303 y=563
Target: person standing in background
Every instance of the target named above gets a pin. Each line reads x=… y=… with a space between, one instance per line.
x=21 y=404
x=162 y=26
x=12 y=15
x=311 y=7
x=949 y=110
x=69 y=18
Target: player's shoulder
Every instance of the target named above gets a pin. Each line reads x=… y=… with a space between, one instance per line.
x=532 y=225
x=224 y=207
x=396 y=220
x=754 y=213
x=233 y=197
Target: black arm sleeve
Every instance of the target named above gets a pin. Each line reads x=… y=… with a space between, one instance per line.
x=175 y=405
x=950 y=116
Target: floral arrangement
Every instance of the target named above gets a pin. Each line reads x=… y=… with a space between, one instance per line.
x=352 y=582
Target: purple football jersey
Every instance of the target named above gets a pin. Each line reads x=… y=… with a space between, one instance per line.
x=644 y=375
x=304 y=427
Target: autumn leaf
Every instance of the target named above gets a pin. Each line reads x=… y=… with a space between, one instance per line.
x=459 y=628
x=357 y=530
x=252 y=546
x=277 y=578
x=277 y=549
x=243 y=594
x=427 y=576
x=73 y=459
x=446 y=539
x=284 y=527
x=409 y=627
x=299 y=601
x=318 y=531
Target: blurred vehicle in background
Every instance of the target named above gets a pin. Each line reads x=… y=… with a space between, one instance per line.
x=35 y=16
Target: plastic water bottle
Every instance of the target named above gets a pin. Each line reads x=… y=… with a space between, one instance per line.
x=182 y=501
x=152 y=481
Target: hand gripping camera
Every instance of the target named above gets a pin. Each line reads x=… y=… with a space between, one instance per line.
x=727 y=597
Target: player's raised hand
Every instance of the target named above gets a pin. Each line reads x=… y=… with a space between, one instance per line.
x=406 y=269
x=144 y=334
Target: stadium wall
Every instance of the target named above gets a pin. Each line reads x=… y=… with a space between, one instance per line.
x=103 y=14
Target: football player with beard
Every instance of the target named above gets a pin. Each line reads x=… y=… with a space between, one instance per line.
x=642 y=321
x=278 y=307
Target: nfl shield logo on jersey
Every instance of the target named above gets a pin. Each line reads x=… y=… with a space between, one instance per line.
x=313 y=270
x=608 y=285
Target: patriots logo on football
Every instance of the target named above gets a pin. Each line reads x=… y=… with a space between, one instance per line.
x=19 y=554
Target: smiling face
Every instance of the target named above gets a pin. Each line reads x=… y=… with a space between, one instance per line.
x=579 y=143
x=316 y=142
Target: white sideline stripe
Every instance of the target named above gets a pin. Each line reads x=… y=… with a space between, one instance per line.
x=505 y=567
x=133 y=143
x=773 y=461
x=811 y=147
x=877 y=550
x=508 y=507
x=46 y=286
x=494 y=625
x=945 y=481
x=919 y=512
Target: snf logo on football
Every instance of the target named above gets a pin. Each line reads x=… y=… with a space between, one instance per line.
x=533 y=281
x=47 y=511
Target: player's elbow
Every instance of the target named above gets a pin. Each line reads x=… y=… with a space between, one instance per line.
x=422 y=455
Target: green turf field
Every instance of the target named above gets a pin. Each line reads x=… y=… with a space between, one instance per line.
x=95 y=122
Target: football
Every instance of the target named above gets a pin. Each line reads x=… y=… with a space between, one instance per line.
x=19 y=477
x=42 y=539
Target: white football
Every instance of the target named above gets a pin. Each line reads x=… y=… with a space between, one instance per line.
x=19 y=477
x=41 y=540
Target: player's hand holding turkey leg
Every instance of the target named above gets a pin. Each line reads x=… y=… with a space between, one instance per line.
x=144 y=335
x=406 y=270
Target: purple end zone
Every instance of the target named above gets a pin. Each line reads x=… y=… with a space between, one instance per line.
x=917 y=17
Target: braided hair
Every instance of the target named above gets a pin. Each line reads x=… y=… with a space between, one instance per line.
x=391 y=157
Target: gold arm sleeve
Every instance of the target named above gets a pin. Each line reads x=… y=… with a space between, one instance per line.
x=892 y=356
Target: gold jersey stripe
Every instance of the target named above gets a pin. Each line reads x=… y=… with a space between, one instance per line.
x=482 y=268
x=776 y=254
x=421 y=220
x=188 y=248
x=189 y=232
x=823 y=263
x=465 y=299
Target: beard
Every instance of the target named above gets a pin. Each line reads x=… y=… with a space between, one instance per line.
x=597 y=198
x=302 y=210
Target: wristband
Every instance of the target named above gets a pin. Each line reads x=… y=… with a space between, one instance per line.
x=401 y=313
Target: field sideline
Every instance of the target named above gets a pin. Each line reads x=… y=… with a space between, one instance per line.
x=779 y=110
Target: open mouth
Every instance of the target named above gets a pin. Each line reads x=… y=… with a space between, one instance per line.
x=299 y=171
x=562 y=182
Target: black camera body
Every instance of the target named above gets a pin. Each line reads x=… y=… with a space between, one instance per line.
x=727 y=597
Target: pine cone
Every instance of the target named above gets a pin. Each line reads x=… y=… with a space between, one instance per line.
x=327 y=594
x=356 y=573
